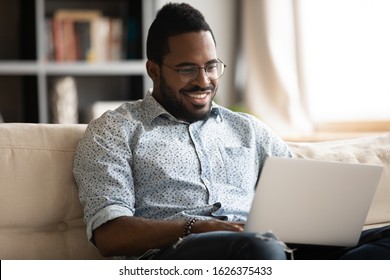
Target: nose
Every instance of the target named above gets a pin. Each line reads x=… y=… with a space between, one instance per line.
x=202 y=79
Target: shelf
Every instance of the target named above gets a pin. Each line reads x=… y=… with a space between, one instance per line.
x=18 y=68
x=84 y=68
x=75 y=68
x=28 y=71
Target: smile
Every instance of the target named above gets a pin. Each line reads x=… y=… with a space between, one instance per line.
x=197 y=96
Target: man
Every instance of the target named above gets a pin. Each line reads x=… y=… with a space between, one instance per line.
x=175 y=161
x=172 y=176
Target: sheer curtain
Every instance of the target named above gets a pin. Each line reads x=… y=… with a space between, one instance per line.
x=273 y=89
x=346 y=59
x=309 y=63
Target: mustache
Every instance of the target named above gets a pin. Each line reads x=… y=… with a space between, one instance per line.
x=197 y=89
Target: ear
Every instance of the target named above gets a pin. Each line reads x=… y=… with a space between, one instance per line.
x=153 y=70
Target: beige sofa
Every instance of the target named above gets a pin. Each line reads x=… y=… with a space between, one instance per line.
x=40 y=214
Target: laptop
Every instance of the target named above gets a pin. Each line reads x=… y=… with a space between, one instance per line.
x=315 y=202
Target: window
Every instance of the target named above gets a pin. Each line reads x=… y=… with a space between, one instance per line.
x=345 y=59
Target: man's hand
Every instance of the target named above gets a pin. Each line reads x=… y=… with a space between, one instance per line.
x=216 y=225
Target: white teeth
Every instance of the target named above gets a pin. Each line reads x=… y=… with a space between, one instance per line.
x=197 y=96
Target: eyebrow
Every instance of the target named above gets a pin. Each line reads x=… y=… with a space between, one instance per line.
x=194 y=64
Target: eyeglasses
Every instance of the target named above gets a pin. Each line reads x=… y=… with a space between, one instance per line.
x=213 y=71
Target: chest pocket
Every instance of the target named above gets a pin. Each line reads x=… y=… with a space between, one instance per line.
x=240 y=166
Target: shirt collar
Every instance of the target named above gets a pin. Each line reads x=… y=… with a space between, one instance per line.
x=216 y=112
x=152 y=109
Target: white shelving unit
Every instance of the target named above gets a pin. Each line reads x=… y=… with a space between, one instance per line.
x=43 y=69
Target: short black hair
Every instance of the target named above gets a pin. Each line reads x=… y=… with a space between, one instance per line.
x=173 y=19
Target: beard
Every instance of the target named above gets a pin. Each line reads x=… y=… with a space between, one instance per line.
x=177 y=107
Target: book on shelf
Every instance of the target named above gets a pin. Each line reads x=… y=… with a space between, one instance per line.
x=132 y=38
x=84 y=35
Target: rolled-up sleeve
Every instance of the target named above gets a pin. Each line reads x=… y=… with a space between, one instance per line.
x=102 y=170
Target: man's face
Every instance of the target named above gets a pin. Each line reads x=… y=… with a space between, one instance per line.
x=187 y=100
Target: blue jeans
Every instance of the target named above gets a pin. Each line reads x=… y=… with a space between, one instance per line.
x=223 y=245
x=374 y=244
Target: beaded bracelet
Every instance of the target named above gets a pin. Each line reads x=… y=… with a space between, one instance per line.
x=188 y=226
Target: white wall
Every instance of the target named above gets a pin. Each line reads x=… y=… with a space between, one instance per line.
x=220 y=14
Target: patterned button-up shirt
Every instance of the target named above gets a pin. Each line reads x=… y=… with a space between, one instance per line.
x=139 y=160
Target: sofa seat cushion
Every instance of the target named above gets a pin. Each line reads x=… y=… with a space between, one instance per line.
x=367 y=150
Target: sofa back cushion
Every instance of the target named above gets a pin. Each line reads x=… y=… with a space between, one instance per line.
x=40 y=212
